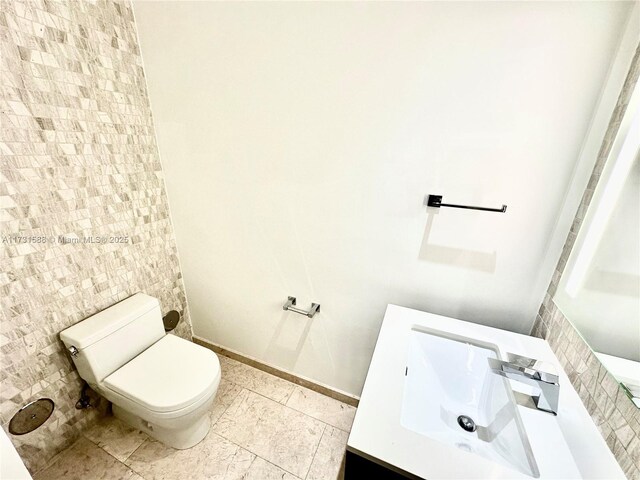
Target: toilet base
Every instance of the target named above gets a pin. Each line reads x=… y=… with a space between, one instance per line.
x=180 y=438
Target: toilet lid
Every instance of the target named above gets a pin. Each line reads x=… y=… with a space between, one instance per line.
x=171 y=374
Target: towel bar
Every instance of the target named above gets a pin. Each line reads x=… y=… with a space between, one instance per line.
x=436 y=201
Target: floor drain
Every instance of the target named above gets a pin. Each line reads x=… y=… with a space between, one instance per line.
x=467 y=423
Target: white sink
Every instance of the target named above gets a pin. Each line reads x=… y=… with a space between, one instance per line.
x=448 y=384
x=427 y=370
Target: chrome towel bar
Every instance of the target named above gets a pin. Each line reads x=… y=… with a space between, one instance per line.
x=436 y=201
x=290 y=306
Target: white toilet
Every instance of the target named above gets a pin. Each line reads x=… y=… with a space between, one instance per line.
x=158 y=383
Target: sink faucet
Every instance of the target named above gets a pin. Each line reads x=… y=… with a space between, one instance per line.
x=527 y=370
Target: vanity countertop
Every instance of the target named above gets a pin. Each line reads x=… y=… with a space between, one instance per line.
x=565 y=446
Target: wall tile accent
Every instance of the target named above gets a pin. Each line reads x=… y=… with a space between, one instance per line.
x=79 y=159
x=612 y=411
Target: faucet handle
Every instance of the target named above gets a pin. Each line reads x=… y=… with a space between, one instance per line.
x=539 y=369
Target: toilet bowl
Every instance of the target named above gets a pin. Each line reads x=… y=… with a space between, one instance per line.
x=157 y=382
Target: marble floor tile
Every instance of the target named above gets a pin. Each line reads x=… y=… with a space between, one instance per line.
x=328 y=460
x=277 y=433
x=116 y=437
x=85 y=460
x=263 y=470
x=227 y=392
x=254 y=415
x=255 y=380
x=213 y=458
x=324 y=408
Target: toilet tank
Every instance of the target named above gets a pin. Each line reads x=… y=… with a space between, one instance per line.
x=109 y=339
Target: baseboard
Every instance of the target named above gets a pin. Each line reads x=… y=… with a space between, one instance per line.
x=291 y=377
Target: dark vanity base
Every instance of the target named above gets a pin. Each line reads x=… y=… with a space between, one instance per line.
x=358 y=468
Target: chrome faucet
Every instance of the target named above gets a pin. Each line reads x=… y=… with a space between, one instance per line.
x=527 y=370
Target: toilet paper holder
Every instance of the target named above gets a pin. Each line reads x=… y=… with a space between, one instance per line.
x=290 y=306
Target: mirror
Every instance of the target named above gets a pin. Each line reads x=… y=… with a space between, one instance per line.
x=599 y=291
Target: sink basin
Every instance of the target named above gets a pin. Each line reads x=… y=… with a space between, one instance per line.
x=451 y=395
x=429 y=377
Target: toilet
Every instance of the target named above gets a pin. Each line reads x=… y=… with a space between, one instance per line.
x=158 y=383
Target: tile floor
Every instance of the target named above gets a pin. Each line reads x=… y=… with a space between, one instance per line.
x=263 y=428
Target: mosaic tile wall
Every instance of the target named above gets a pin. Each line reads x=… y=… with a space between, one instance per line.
x=612 y=411
x=85 y=219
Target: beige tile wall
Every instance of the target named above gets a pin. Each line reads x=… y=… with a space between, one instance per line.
x=612 y=411
x=79 y=159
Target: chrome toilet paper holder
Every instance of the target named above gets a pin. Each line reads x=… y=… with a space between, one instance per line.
x=290 y=306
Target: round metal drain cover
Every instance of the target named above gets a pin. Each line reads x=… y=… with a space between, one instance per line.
x=31 y=416
x=171 y=320
x=467 y=423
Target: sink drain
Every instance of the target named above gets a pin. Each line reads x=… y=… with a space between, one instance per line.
x=467 y=423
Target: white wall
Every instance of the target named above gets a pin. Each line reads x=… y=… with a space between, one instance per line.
x=299 y=139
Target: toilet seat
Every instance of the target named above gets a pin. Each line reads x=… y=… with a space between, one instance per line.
x=170 y=376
